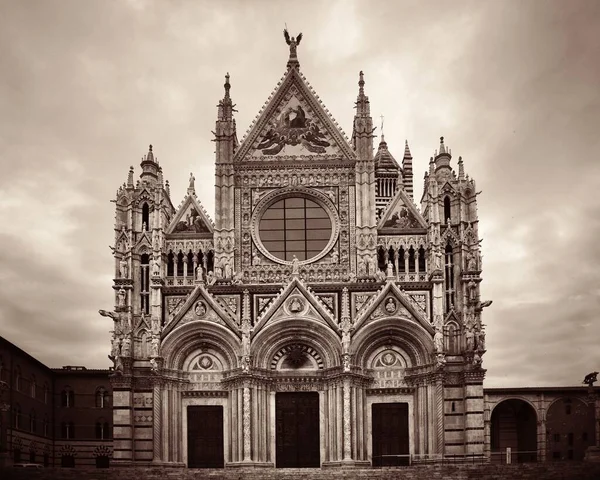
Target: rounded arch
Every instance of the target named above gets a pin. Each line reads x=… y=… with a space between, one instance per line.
x=274 y=337
x=514 y=425
x=185 y=340
x=406 y=334
x=570 y=428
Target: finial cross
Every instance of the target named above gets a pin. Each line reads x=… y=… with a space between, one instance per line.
x=382 y=118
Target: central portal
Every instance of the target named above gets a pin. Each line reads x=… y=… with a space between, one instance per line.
x=390 y=434
x=205 y=437
x=297 y=431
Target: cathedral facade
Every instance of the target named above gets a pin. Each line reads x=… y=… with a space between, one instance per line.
x=322 y=319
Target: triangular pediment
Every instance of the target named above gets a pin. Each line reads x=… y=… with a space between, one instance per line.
x=296 y=299
x=191 y=218
x=391 y=301
x=200 y=305
x=401 y=214
x=294 y=123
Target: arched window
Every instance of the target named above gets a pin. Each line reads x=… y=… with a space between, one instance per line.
x=67 y=397
x=170 y=264
x=46 y=424
x=67 y=430
x=210 y=261
x=143 y=344
x=32 y=422
x=102 y=429
x=145 y=283
x=180 y=259
x=17 y=374
x=46 y=393
x=422 y=266
x=190 y=264
x=381 y=259
x=32 y=387
x=392 y=258
x=449 y=280
x=17 y=417
x=411 y=259
x=145 y=217
x=401 y=264
x=447 y=210
x=102 y=398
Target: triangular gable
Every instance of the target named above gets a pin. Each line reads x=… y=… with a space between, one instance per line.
x=191 y=217
x=294 y=122
x=401 y=214
x=144 y=241
x=198 y=306
x=296 y=288
x=379 y=304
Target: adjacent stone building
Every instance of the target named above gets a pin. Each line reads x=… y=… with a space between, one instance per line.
x=322 y=319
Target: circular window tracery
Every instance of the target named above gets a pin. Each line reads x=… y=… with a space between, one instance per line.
x=295 y=223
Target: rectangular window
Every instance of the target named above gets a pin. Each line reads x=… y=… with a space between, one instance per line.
x=570 y=439
x=557 y=437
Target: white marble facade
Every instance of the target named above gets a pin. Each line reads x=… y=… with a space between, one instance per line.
x=300 y=284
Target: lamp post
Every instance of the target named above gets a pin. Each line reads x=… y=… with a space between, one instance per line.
x=4 y=407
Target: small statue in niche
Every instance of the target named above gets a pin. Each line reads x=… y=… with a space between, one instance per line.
x=123 y=268
x=346 y=362
x=156 y=325
x=438 y=341
x=438 y=259
x=121 y=297
x=210 y=278
x=200 y=273
x=246 y=331
x=480 y=339
x=237 y=278
x=155 y=346
x=218 y=272
x=227 y=270
x=334 y=256
x=156 y=268
x=115 y=347
x=471 y=261
x=153 y=364
x=256 y=258
x=361 y=268
x=470 y=340
x=476 y=359
x=126 y=347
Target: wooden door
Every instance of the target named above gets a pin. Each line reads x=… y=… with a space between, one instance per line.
x=297 y=430
x=205 y=437
x=390 y=434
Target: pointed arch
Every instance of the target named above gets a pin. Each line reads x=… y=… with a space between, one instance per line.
x=447 y=210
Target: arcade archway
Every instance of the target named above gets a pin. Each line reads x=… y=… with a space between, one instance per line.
x=514 y=425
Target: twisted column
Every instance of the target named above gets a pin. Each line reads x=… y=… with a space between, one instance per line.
x=347 y=427
x=246 y=423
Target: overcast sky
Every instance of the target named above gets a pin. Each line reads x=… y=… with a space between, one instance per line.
x=513 y=86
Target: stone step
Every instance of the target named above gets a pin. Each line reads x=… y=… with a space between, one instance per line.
x=541 y=471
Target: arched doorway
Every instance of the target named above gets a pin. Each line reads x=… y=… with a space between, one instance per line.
x=514 y=425
x=570 y=429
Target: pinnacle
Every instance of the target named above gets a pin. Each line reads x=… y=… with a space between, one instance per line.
x=407 y=153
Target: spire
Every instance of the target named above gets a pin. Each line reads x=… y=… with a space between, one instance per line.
x=407 y=171
x=149 y=167
x=442 y=158
x=130 y=178
x=461 y=169
x=362 y=132
x=225 y=107
x=293 y=42
x=363 y=108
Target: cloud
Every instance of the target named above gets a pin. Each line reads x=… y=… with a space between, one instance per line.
x=88 y=85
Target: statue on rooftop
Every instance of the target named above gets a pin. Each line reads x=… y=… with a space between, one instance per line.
x=293 y=42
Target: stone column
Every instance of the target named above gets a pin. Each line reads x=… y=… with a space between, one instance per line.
x=347 y=425
x=157 y=423
x=246 y=422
